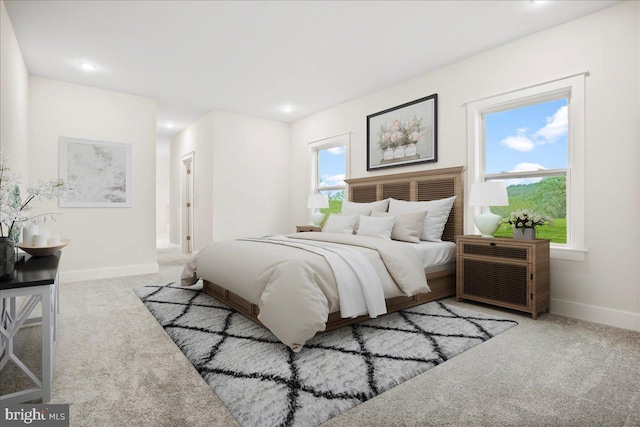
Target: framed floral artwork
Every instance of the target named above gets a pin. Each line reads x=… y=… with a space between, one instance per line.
x=403 y=135
x=98 y=172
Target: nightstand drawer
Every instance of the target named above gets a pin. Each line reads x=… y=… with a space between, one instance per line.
x=496 y=250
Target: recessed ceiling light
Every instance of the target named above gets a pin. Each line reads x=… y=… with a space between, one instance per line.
x=287 y=108
x=169 y=125
x=87 y=66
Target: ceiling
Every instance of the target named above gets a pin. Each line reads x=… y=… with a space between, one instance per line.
x=254 y=58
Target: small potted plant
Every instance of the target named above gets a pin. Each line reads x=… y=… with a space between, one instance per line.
x=524 y=222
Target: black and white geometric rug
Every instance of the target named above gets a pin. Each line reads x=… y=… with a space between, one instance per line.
x=264 y=383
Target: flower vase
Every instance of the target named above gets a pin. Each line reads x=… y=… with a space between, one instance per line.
x=7 y=257
x=410 y=150
x=524 y=234
x=387 y=154
x=398 y=153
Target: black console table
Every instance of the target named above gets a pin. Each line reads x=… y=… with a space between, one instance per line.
x=36 y=279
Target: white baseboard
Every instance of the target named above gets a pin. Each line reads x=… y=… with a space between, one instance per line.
x=107 y=273
x=605 y=316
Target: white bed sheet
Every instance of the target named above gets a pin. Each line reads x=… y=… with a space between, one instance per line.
x=436 y=256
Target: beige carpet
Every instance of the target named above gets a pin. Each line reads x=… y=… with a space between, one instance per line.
x=116 y=366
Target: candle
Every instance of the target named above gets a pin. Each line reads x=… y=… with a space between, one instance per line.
x=43 y=232
x=53 y=240
x=39 y=240
x=27 y=234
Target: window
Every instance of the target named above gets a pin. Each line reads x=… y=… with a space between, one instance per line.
x=533 y=141
x=527 y=149
x=329 y=160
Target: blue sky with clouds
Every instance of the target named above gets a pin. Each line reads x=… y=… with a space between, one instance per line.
x=527 y=138
x=332 y=166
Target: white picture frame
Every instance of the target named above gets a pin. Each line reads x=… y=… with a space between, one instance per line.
x=99 y=172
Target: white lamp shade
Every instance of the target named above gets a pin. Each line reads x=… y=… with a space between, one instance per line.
x=492 y=193
x=318 y=201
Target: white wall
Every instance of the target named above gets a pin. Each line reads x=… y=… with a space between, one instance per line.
x=14 y=99
x=197 y=138
x=606 y=286
x=163 y=170
x=105 y=242
x=251 y=181
x=242 y=177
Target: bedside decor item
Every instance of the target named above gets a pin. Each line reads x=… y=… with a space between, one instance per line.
x=99 y=172
x=492 y=193
x=317 y=201
x=403 y=135
x=14 y=213
x=524 y=222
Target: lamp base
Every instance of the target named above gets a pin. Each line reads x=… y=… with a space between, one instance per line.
x=488 y=223
x=317 y=218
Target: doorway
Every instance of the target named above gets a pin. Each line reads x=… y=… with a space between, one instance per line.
x=186 y=209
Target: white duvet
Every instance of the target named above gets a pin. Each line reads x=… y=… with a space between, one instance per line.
x=299 y=279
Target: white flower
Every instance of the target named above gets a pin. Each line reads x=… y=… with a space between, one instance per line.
x=14 y=212
x=526 y=218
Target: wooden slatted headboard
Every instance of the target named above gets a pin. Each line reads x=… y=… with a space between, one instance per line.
x=416 y=187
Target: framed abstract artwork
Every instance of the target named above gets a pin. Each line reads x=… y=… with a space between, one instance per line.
x=98 y=172
x=403 y=135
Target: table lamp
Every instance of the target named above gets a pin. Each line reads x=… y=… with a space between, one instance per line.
x=317 y=201
x=493 y=193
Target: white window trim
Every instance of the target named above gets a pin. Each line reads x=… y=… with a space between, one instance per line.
x=323 y=144
x=573 y=88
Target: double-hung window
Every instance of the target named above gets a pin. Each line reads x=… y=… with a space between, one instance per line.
x=533 y=140
x=329 y=169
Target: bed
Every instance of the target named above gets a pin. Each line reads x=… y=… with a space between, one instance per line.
x=241 y=261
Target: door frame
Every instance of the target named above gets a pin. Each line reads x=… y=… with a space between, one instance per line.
x=186 y=202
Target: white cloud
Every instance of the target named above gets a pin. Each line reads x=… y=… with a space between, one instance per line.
x=556 y=127
x=336 y=150
x=527 y=167
x=519 y=143
x=332 y=181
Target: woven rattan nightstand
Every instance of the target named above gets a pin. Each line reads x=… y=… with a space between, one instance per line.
x=505 y=272
x=306 y=228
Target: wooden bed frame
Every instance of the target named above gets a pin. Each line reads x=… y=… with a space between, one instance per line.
x=413 y=186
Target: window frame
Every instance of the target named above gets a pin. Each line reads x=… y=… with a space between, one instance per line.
x=573 y=89
x=314 y=158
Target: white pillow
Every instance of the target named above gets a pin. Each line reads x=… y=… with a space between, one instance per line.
x=362 y=208
x=408 y=227
x=355 y=228
x=376 y=227
x=342 y=224
x=437 y=215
